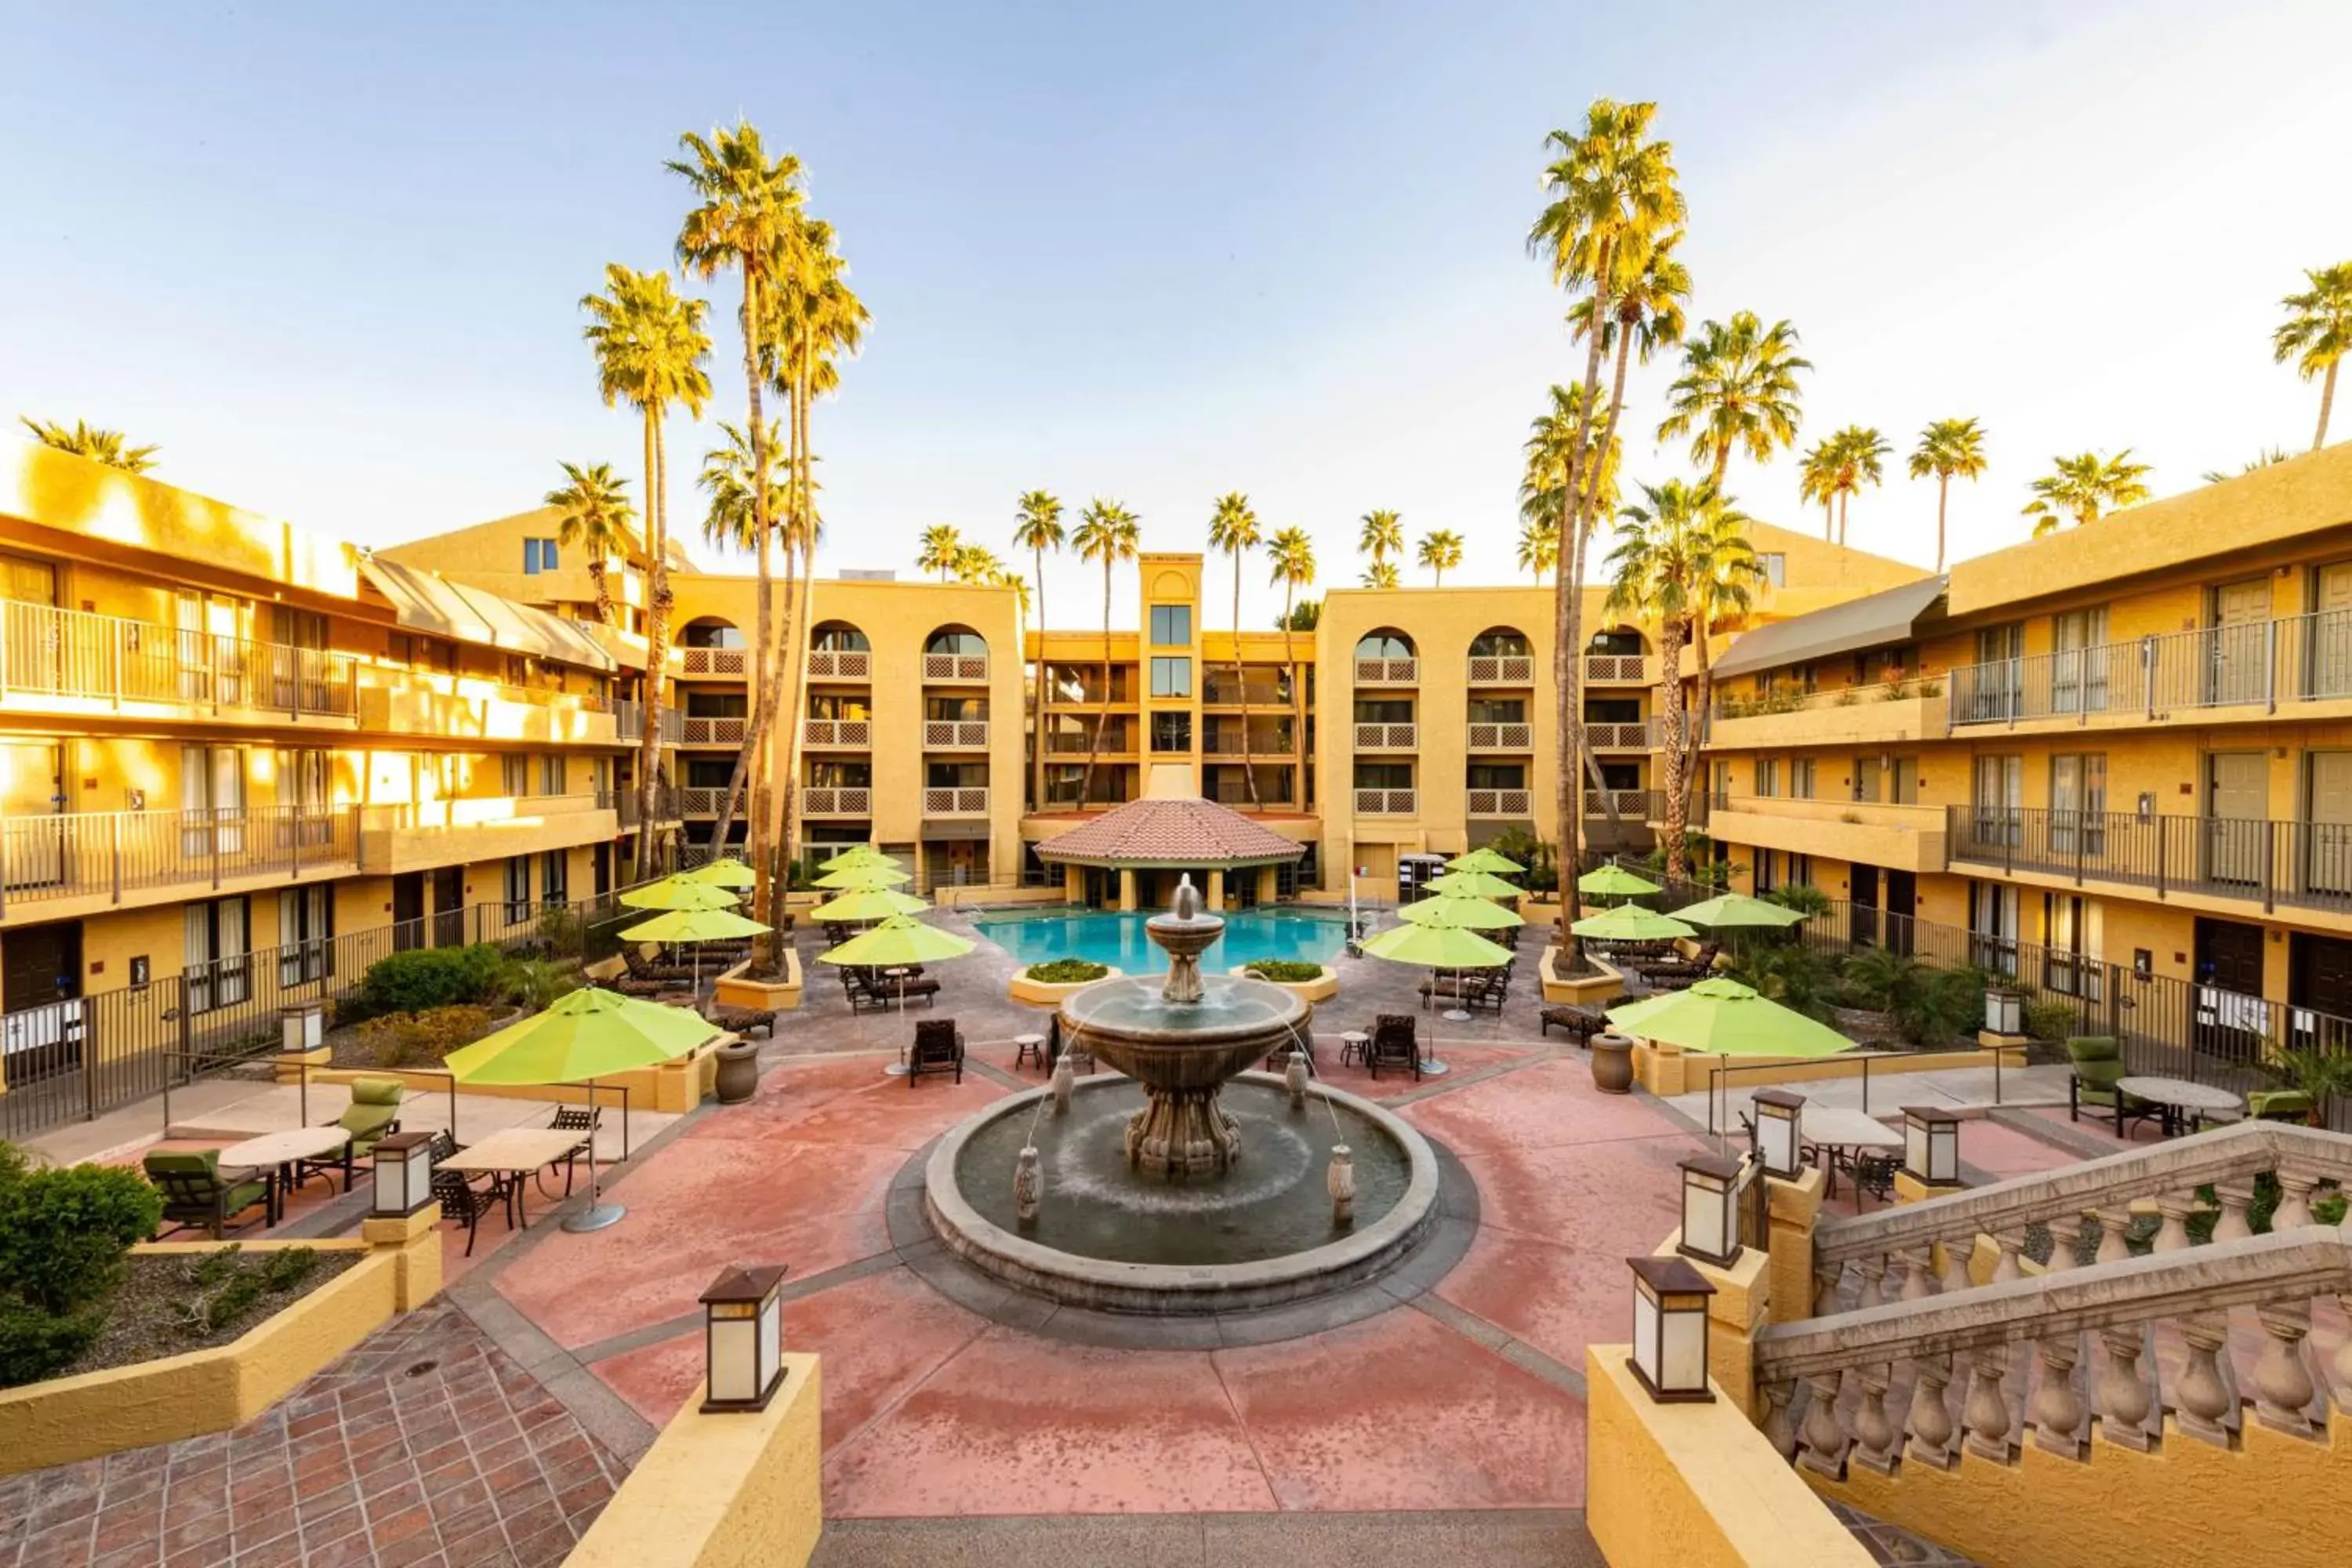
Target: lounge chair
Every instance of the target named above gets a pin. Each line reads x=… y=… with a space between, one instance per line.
x=2279 y=1105
x=2098 y=1061
x=372 y=1116
x=1581 y=1022
x=197 y=1192
x=1393 y=1045
x=938 y=1048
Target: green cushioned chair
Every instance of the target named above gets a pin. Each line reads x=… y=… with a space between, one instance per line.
x=372 y=1116
x=2098 y=1066
x=197 y=1194
x=2279 y=1105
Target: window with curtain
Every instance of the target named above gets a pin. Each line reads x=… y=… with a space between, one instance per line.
x=517 y=887
x=1767 y=778
x=306 y=934
x=514 y=775
x=2078 y=803
x=1800 y=778
x=218 y=953
x=551 y=775
x=554 y=879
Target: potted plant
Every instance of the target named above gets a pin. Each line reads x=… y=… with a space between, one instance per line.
x=1612 y=1062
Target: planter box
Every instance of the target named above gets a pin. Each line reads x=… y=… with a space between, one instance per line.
x=1322 y=988
x=1606 y=985
x=1046 y=993
x=735 y=989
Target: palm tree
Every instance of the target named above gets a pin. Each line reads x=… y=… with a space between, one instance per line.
x=1612 y=196
x=1738 y=390
x=1551 y=446
x=2316 y=334
x=1650 y=576
x=978 y=565
x=2266 y=457
x=1380 y=534
x=649 y=345
x=1538 y=546
x=2084 y=488
x=1861 y=458
x=1817 y=480
x=1233 y=528
x=88 y=441
x=1725 y=574
x=942 y=545
x=596 y=518
x=1292 y=553
x=1949 y=449
x=1037 y=527
x=1441 y=552
x=732 y=521
x=1109 y=533
x=1380 y=574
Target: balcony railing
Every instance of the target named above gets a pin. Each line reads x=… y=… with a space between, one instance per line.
x=1220 y=691
x=2265 y=664
x=1226 y=743
x=1116 y=741
x=840 y=664
x=955 y=802
x=955 y=667
x=1502 y=737
x=1618 y=669
x=629 y=722
x=1386 y=737
x=822 y=801
x=955 y=734
x=75 y=855
x=2302 y=865
x=1384 y=802
x=715 y=660
x=1387 y=672
x=53 y=653
x=1618 y=737
x=1632 y=803
x=1503 y=670
x=1518 y=803
x=837 y=734
x=709 y=731
x=670 y=803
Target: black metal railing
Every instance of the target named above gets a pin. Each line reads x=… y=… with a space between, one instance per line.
x=2268 y=663
x=2299 y=865
x=50 y=652
x=105 y=854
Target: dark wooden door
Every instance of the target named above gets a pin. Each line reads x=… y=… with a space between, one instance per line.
x=1862 y=899
x=408 y=910
x=1901 y=901
x=40 y=990
x=448 y=906
x=2228 y=1015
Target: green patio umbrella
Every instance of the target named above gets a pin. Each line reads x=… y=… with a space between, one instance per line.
x=584 y=1035
x=696 y=927
x=1614 y=881
x=871 y=904
x=1631 y=922
x=679 y=893
x=862 y=878
x=1473 y=885
x=1730 y=1019
x=1437 y=947
x=900 y=940
x=1487 y=860
x=1727 y=911
x=1461 y=912
x=728 y=872
x=855 y=854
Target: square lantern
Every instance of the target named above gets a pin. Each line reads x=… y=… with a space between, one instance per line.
x=1670 y=1329
x=1931 y=1145
x=302 y=1026
x=743 y=1339
x=1710 y=1211
x=2004 y=1011
x=404 y=1174
x=1780 y=1120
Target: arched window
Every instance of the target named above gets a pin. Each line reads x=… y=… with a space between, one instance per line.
x=1500 y=642
x=839 y=636
x=961 y=641
x=1385 y=643
x=710 y=631
x=1616 y=640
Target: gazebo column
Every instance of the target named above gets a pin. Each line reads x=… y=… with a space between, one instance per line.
x=1216 y=890
x=1126 y=891
x=1268 y=885
x=1074 y=884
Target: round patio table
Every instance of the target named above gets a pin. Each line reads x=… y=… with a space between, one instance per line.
x=279 y=1153
x=2180 y=1100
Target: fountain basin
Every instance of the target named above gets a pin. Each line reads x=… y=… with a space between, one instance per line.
x=1271 y=1212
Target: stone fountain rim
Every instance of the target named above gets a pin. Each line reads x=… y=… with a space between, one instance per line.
x=1178 y=1287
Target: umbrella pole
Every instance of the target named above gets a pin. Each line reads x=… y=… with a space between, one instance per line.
x=596 y=1216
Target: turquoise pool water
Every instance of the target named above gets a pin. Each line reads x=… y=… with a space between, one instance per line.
x=1119 y=940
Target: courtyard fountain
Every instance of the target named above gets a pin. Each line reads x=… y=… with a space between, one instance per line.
x=1185 y=1182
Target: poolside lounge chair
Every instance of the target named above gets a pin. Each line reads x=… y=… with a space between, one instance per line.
x=1393 y=1044
x=1581 y=1022
x=2098 y=1062
x=2279 y=1105
x=938 y=1048
x=372 y=1116
x=197 y=1192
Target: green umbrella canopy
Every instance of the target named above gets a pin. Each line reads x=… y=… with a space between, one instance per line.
x=873 y=904
x=855 y=854
x=1615 y=881
x=1460 y=913
x=679 y=893
x=1631 y=922
x=863 y=877
x=1474 y=885
x=586 y=1033
x=901 y=939
x=1437 y=947
x=1725 y=911
x=694 y=925
x=727 y=873
x=1485 y=861
x=1730 y=1019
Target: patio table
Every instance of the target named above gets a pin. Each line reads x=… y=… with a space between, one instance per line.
x=517 y=1151
x=278 y=1153
x=2180 y=1102
x=1835 y=1128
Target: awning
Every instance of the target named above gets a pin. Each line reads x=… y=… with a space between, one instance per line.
x=1891 y=615
x=428 y=602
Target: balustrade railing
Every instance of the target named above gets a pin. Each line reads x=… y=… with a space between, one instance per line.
x=1618 y=737
x=713 y=731
x=1387 y=671
x=822 y=801
x=49 y=652
x=1632 y=802
x=955 y=667
x=1617 y=668
x=629 y=721
x=837 y=734
x=1384 y=802
x=1115 y=740
x=840 y=664
x=1516 y=737
x=1228 y=744
x=715 y=660
x=1220 y=691
x=1515 y=802
x=2303 y=865
x=75 y=855
x=961 y=802
x=2271 y=664
x=955 y=734
x=1502 y=670
x=1385 y=737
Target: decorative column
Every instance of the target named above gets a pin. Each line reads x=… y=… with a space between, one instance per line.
x=2232 y=1225
x=1956 y=1263
x=1216 y=890
x=1820 y=1440
x=2172 y=1234
x=2056 y=1410
x=1918 y=1278
x=2295 y=1200
x=2123 y=1392
x=2283 y=1385
x=2012 y=1248
x=1777 y=1429
x=2112 y=1224
x=1986 y=1410
x=1872 y=1270
x=1876 y=1440
x=1931 y=1417
x=1127 y=890
x=2201 y=1399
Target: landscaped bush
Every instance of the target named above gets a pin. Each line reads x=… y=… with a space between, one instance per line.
x=422 y=978
x=64 y=1233
x=422 y=1039
x=1287 y=972
x=1926 y=1006
x=534 y=983
x=35 y=1345
x=2053 y=1020
x=1802 y=896
x=1796 y=977
x=1067 y=972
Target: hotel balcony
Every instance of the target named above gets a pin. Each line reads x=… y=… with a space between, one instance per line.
x=1503 y=670
x=668 y=806
x=2233 y=865
x=417 y=834
x=954 y=802
x=2299 y=664
x=1880 y=715
x=694 y=730
x=402 y=702
x=1387 y=671
x=1897 y=837
x=840 y=664
x=1384 y=802
x=957 y=668
x=1638 y=805
x=730 y=662
x=629 y=723
x=955 y=734
x=1272 y=748
x=57 y=866
x=73 y=664
x=1220 y=691
x=837 y=734
x=826 y=801
x=1502 y=737
x=1386 y=737
x=1119 y=741
x=1637 y=736
x=1620 y=669
x=1506 y=802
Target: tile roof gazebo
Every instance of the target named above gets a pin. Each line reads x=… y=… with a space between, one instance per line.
x=1172 y=835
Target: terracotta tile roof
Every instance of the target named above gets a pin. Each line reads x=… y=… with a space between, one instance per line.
x=1171 y=833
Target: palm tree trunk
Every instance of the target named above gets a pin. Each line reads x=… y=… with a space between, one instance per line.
x=794 y=660
x=1241 y=681
x=1568 y=618
x=1677 y=807
x=1037 y=689
x=604 y=590
x=1695 y=721
x=656 y=643
x=1290 y=662
x=1102 y=713
x=1943 y=494
x=1842 y=501
x=2326 y=402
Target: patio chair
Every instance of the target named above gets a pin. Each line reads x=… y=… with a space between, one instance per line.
x=583 y=1119
x=197 y=1192
x=1581 y=1022
x=2281 y=1105
x=938 y=1048
x=2098 y=1062
x=372 y=1116
x=1393 y=1045
x=461 y=1200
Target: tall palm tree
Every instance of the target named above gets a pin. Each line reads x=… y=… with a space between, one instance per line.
x=1817 y=480
x=2084 y=488
x=1551 y=446
x=1725 y=574
x=1861 y=460
x=977 y=564
x=1380 y=534
x=1233 y=528
x=650 y=344
x=1380 y=574
x=732 y=520
x=1109 y=533
x=1037 y=527
x=1538 y=547
x=941 y=546
x=1651 y=574
x=88 y=441
x=1738 y=391
x=1949 y=449
x=1441 y=552
x=1612 y=195
x=596 y=517
x=2317 y=333
x=1292 y=553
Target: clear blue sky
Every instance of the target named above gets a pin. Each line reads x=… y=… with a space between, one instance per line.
x=329 y=256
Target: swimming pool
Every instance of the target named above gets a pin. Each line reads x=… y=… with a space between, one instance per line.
x=1119 y=940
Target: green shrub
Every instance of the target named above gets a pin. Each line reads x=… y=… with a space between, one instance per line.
x=288 y=1268
x=1796 y=977
x=63 y=1233
x=2053 y=1020
x=1927 y=1006
x=424 y=978
x=1066 y=972
x=35 y=1345
x=2329 y=1210
x=1284 y=970
x=210 y=1269
x=1801 y=897
x=15 y=1163
x=533 y=984
x=422 y=1039
x=563 y=931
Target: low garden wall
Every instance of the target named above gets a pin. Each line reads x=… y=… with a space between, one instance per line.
x=1667 y=1070
x=1322 y=988
x=1048 y=994
x=1606 y=985
x=734 y=988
